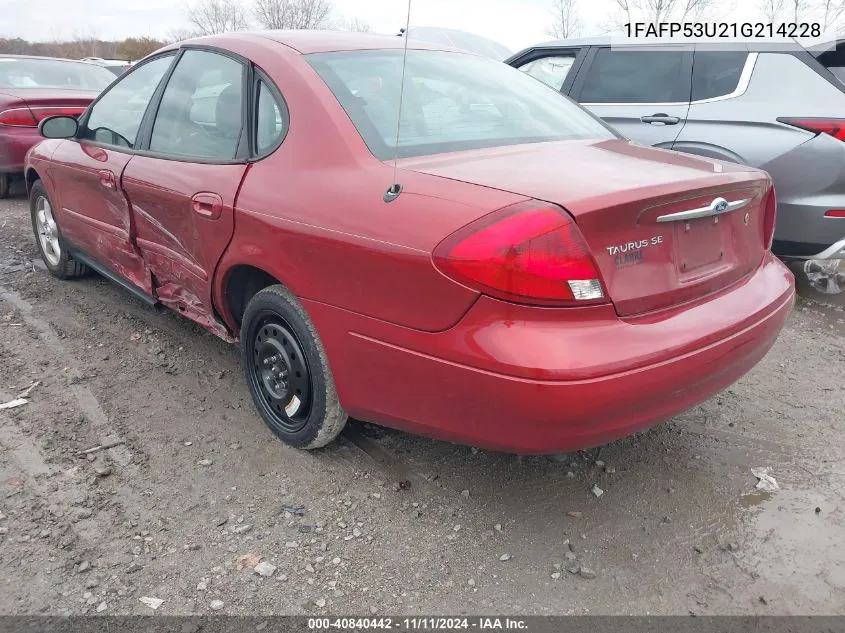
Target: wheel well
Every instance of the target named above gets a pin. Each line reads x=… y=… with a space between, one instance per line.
x=244 y=281
x=31 y=177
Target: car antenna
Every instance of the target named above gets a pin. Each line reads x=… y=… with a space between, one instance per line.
x=395 y=189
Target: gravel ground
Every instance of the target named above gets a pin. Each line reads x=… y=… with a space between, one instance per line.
x=198 y=509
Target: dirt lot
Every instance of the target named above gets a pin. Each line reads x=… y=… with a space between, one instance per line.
x=197 y=483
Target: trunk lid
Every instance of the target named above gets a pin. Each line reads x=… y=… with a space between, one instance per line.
x=46 y=98
x=50 y=96
x=653 y=219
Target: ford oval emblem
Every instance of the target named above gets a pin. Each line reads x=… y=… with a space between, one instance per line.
x=719 y=205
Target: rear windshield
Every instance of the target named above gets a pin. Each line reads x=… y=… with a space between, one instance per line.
x=22 y=72
x=452 y=102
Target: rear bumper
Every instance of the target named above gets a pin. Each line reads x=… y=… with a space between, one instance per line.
x=631 y=375
x=803 y=231
x=14 y=144
x=809 y=181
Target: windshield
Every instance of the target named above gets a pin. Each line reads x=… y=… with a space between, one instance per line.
x=25 y=72
x=452 y=102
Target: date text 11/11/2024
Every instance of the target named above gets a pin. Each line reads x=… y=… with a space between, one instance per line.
x=418 y=624
x=722 y=29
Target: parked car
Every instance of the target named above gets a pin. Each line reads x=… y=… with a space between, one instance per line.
x=116 y=66
x=509 y=274
x=773 y=105
x=32 y=89
x=462 y=40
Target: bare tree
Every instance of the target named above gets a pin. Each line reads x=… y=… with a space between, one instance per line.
x=799 y=9
x=695 y=10
x=87 y=43
x=832 y=12
x=360 y=26
x=622 y=16
x=771 y=9
x=566 y=19
x=177 y=35
x=209 y=17
x=657 y=10
x=653 y=11
x=293 y=14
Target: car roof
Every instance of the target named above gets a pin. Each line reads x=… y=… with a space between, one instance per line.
x=314 y=41
x=814 y=45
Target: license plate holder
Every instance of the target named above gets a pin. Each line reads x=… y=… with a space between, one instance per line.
x=699 y=244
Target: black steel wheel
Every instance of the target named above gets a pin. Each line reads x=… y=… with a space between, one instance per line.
x=287 y=371
x=280 y=372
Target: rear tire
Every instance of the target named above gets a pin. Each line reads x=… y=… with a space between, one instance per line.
x=5 y=185
x=287 y=371
x=51 y=244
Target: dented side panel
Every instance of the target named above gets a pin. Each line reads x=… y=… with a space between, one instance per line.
x=183 y=216
x=93 y=210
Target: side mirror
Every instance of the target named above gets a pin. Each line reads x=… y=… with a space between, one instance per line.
x=58 y=127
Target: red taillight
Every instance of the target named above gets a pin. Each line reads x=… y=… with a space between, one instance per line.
x=19 y=117
x=769 y=218
x=834 y=127
x=524 y=253
x=835 y=213
x=31 y=117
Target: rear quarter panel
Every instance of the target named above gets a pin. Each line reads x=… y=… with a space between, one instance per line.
x=807 y=169
x=312 y=215
x=745 y=129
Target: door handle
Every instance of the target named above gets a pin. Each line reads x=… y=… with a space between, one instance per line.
x=107 y=179
x=207 y=205
x=661 y=117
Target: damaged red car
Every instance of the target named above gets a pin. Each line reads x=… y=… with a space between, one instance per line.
x=473 y=258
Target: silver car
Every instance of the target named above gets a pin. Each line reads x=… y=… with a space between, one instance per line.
x=777 y=106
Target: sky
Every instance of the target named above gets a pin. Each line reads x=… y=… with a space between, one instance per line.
x=514 y=23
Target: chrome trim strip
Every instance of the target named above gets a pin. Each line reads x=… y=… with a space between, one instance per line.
x=741 y=87
x=719 y=206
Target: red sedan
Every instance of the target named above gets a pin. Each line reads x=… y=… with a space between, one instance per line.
x=33 y=89
x=520 y=278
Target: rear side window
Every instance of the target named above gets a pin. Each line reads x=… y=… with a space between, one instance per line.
x=716 y=73
x=626 y=76
x=834 y=61
x=552 y=71
x=451 y=102
x=271 y=119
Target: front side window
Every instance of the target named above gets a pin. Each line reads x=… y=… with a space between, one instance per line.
x=716 y=73
x=552 y=71
x=116 y=117
x=626 y=76
x=201 y=109
x=451 y=102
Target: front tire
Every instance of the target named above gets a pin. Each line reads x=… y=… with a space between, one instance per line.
x=287 y=371
x=51 y=244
